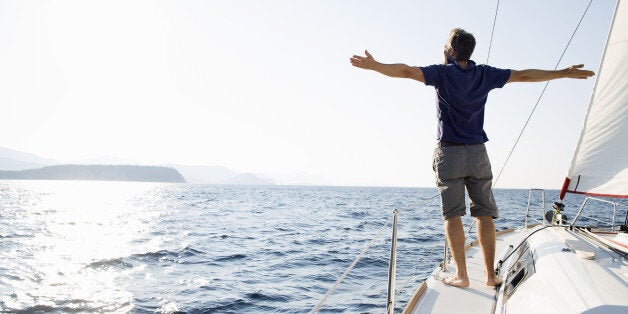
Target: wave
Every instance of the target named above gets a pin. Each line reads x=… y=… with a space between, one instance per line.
x=156 y=256
x=187 y=255
x=189 y=251
x=33 y=309
x=259 y=296
x=67 y=306
x=232 y=257
x=111 y=262
x=236 y=306
x=373 y=262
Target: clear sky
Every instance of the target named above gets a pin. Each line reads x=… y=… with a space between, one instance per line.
x=267 y=87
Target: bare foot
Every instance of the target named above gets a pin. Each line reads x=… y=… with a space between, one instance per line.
x=456 y=282
x=494 y=281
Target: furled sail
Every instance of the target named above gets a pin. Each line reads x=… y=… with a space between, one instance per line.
x=600 y=163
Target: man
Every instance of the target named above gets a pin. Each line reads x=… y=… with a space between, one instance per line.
x=460 y=159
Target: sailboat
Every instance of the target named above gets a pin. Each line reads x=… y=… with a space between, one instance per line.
x=559 y=266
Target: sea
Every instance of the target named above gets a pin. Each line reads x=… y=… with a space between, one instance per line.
x=93 y=246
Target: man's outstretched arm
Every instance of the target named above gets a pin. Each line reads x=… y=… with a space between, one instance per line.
x=393 y=70
x=533 y=75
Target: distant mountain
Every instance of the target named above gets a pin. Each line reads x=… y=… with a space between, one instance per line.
x=204 y=174
x=97 y=172
x=16 y=160
x=219 y=175
x=12 y=162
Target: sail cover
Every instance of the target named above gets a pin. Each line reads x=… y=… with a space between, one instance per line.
x=600 y=163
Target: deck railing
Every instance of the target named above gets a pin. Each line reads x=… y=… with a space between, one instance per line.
x=392 y=269
x=615 y=205
x=542 y=206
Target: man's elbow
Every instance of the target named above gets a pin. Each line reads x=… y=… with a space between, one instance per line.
x=520 y=77
x=526 y=78
x=414 y=73
x=407 y=73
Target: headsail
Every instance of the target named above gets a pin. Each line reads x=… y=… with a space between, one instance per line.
x=600 y=162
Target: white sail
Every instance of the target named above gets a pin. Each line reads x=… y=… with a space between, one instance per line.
x=600 y=162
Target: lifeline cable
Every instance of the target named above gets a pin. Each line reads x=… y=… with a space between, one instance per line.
x=361 y=255
x=355 y=261
x=416 y=269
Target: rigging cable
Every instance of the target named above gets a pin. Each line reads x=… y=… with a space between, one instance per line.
x=490 y=43
x=541 y=96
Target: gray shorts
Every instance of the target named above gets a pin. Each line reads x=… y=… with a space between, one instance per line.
x=457 y=167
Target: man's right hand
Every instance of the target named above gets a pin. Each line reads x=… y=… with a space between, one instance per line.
x=367 y=62
x=575 y=72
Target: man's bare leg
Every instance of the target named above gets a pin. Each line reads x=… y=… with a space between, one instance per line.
x=455 y=238
x=486 y=236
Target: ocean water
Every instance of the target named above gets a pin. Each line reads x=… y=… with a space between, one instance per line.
x=80 y=246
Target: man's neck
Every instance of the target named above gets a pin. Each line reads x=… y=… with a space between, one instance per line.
x=461 y=64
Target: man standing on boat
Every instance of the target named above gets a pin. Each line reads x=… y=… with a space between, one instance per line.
x=460 y=159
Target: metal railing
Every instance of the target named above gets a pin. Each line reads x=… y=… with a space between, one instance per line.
x=445 y=261
x=542 y=206
x=392 y=269
x=615 y=205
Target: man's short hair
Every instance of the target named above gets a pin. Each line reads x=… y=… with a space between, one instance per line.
x=463 y=44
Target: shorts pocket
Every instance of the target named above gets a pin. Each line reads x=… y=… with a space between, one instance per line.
x=447 y=163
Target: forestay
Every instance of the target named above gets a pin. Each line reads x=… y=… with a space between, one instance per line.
x=600 y=163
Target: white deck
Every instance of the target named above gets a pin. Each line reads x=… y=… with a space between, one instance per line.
x=477 y=298
x=565 y=281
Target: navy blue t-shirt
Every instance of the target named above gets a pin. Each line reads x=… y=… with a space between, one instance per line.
x=461 y=97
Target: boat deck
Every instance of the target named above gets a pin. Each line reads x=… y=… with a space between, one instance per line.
x=437 y=297
x=571 y=275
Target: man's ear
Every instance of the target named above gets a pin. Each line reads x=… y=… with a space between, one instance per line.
x=449 y=52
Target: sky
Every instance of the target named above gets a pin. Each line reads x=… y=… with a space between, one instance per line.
x=267 y=86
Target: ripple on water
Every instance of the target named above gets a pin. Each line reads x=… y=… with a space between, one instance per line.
x=232 y=257
x=110 y=263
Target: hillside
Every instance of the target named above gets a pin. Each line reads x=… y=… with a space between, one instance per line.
x=97 y=172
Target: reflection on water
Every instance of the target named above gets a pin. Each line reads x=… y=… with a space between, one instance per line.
x=55 y=236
